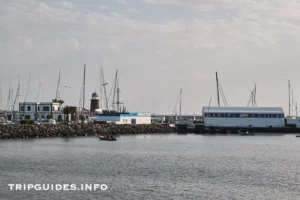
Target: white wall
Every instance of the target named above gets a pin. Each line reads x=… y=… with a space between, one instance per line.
x=125 y=119
x=108 y=118
x=244 y=122
x=294 y=121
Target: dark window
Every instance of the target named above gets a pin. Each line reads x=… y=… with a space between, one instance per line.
x=38 y=108
x=43 y=116
x=46 y=108
x=53 y=108
x=29 y=108
x=22 y=108
x=133 y=121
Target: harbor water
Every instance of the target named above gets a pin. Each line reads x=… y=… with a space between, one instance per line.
x=155 y=167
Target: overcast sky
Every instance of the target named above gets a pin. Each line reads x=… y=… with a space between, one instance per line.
x=158 y=46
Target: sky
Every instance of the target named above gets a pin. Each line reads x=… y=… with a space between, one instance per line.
x=158 y=46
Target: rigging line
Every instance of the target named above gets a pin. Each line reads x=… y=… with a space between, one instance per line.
x=175 y=108
x=248 y=104
x=223 y=96
x=112 y=87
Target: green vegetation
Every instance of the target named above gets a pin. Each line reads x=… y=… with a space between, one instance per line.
x=60 y=101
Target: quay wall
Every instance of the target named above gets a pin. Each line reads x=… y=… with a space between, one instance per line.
x=62 y=130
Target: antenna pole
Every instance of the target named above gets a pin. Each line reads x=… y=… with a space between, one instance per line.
x=218 y=93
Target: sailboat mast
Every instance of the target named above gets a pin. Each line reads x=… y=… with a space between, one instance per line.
x=83 y=88
x=104 y=84
x=218 y=93
x=1 y=95
x=180 y=104
x=255 y=95
x=8 y=100
x=115 y=88
x=100 y=92
x=118 y=97
x=57 y=96
x=16 y=98
x=289 y=98
x=39 y=92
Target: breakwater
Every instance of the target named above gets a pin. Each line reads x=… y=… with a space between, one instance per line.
x=62 y=130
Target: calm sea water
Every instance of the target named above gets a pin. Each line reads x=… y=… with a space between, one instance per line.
x=156 y=167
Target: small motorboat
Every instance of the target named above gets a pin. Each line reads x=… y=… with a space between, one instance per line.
x=107 y=138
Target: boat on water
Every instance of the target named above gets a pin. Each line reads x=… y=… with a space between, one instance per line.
x=297 y=135
x=107 y=138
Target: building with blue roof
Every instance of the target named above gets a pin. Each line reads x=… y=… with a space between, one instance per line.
x=125 y=118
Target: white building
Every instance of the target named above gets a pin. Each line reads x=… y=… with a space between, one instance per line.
x=41 y=110
x=294 y=121
x=243 y=117
x=125 y=118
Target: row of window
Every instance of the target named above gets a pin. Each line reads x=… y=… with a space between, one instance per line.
x=45 y=108
x=42 y=117
x=244 y=115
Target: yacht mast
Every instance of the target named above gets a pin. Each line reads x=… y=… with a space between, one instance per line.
x=38 y=98
x=100 y=92
x=115 y=88
x=118 y=97
x=8 y=100
x=104 y=84
x=57 y=96
x=180 y=104
x=218 y=93
x=28 y=91
x=17 y=97
x=289 y=98
x=1 y=95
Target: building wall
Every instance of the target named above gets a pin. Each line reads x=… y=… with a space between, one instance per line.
x=243 y=117
x=126 y=118
x=94 y=105
x=40 y=110
x=108 y=118
x=244 y=122
x=294 y=121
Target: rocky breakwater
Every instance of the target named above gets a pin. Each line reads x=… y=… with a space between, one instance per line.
x=63 y=130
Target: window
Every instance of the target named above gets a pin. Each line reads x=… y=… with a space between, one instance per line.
x=53 y=108
x=22 y=108
x=29 y=108
x=46 y=108
x=38 y=108
x=43 y=116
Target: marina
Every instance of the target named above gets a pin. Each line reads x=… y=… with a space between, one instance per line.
x=154 y=167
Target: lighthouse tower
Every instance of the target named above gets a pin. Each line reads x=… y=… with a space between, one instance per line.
x=94 y=104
